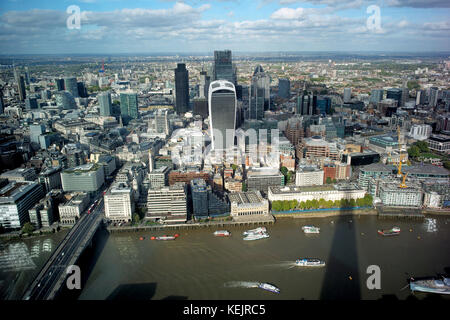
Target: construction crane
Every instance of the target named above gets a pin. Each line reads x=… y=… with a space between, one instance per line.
x=400 y=159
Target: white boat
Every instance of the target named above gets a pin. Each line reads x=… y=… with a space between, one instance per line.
x=222 y=233
x=431 y=285
x=253 y=231
x=269 y=287
x=310 y=229
x=256 y=236
x=309 y=262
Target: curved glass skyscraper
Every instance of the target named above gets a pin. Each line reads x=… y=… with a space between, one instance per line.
x=71 y=85
x=222 y=113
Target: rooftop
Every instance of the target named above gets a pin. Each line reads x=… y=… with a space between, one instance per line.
x=245 y=197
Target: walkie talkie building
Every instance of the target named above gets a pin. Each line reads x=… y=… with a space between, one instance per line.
x=222 y=113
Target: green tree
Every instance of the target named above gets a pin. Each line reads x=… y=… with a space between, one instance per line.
x=334 y=180
x=423 y=146
x=286 y=205
x=315 y=204
x=322 y=203
x=447 y=165
x=302 y=205
x=293 y=204
x=244 y=187
x=136 y=218
x=328 y=180
x=234 y=167
x=27 y=228
x=413 y=152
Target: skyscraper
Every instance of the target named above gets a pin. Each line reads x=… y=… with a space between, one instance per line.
x=162 y=122
x=259 y=94
x=376 y=96
x=323 y=105
x=71 y=85
x=82 y=92
x=284 y=88
x=223 y=66
x=104 y=101
x=65 y=100
x=433 y=97
x=396 y=94
x=59 y=84
x=2 y=103
x=347 y=94
x=21 y=88
x=306 y=104
x=128 y=107
x=204 y=85
x=222 y=113
x=181 y=89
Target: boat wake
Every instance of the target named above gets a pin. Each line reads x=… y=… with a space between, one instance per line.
x=282 y=264
x=241 y=284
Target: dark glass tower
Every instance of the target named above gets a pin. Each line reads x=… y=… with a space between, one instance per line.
x=223 y=66
x=104 y=101
x=59 y=84
x=222 y=113
x=181 y=89
x=71 y=85
x=21 y=87
x=128 y=107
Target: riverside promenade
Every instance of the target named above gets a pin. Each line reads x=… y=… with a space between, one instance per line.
x=266 y=220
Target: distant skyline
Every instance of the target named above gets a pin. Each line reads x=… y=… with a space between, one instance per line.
x=192 y=26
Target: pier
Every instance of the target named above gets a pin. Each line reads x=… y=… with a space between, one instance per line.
x=400 y=213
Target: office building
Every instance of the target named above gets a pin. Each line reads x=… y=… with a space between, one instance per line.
x=259 y=92
x=168 y=204
x=104 y=101
x=85 y=178
x=199 y=190
x=181 y=89
x=248 y=205
x=433 y=96
x=162 y=122
x=119 y=203
x=71 y=85
x=158 y=178
x=82 y=92
x=16 y=198
x=70 y=211
x=323 y=105
x=395 y=94
x=21 y=88
x=260 y=179
x=420 y=131
x=308 y=176
x=20 y=175
x=50 y=178
x=326 y=192
x=374 y=170
x=347 y=94
x=223 y=67
x=204 y=85
x=129 y=107
x=376 y=96
x=392 y=195
x=65 y=100
x=31 y=103
x=35 y=131
x=59 y=84
x=222 y=113
x=201 y=107
x=284 y=88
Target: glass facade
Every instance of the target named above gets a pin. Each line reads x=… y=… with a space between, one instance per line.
x=222 y=105
x=181 y=89
x=71 y=85
x=223 y=66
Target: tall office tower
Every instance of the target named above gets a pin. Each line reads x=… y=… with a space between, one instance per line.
x=31 y=103
x=35 y=131
x=223 y=67
x=162 y=122
x=222 y=113
x=323 y=105
x=432 y=101
x=376 y=95
x=104 y=101
x=421 y=97
x=65 y=100
x=306 y=104
x=204 y=85
x=59 y=84
x=181 y=89
x=396 y=94
x=405 y=96
x=259 y=92
x=201 y=107
x=128 y=107
x=199 y=191
x=21 y=88
x=2 y=103
x=16 y=75
x=347 y=94
x=284 y=88
x=27 y=76
x=70 y=84
x=82 y=92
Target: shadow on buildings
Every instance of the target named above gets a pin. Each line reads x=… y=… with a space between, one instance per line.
x=342 y=280
x=87 y=262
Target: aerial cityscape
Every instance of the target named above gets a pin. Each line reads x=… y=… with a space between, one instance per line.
x=225 y=150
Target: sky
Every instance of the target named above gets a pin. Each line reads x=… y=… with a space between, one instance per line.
x=194 y=26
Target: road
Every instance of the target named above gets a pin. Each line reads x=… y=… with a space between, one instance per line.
x=46 y=286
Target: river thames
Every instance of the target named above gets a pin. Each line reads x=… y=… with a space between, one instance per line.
x=198 y=265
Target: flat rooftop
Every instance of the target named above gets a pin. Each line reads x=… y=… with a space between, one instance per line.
x=245 y=197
